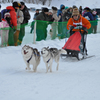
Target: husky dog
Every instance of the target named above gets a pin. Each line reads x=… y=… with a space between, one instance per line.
x=50 y=54
x=31 y=56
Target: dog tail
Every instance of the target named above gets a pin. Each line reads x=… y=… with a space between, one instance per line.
x=62 y=51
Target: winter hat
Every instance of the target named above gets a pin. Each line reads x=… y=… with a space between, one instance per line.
x=66 y=7
x=74 y=6
x=22 y=3
x=6 y=15
x=16 y=4
x=75 y=12
x=87 y=8
x=94 y=12
x=37 y=9
x=54 y=8
x=45 y=9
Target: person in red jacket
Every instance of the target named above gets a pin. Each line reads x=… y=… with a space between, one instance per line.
x=13 y=23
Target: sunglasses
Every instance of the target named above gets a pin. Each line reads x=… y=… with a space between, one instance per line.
x=75 y=15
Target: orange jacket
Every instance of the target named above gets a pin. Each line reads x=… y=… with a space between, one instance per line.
x=13 y=15
x=84 y=21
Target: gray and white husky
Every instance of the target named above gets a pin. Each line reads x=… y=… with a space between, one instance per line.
x=31 y=56
x=50 y=54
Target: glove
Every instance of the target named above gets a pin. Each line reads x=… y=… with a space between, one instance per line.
x=72 y=27
x=18 y=16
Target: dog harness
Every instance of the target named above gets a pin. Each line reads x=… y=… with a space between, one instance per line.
x=48 y=60
x=31 y=57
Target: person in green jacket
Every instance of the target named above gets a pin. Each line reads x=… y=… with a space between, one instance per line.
x=41 y=26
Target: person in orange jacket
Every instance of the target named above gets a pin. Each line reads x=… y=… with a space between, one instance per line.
x=76 y=20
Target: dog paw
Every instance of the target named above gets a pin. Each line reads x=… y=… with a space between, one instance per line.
x=57 y=68
x=34 y=70
x=51 y=71
x=28 y=68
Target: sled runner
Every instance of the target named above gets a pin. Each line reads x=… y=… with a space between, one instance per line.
x=76 y=44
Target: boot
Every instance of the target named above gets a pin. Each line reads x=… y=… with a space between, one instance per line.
x=16 y=35
x=19 y=42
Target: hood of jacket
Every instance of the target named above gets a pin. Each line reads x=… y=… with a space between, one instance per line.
x=61 y=6
x=54 y=11
x=10 y=8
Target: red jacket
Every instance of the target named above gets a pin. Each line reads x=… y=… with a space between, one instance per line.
x=13 y=15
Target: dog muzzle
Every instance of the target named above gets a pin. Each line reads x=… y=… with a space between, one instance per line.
x=42 y=52
x=25 y=52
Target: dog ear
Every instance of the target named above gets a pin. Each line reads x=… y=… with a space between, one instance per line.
x=48 y=47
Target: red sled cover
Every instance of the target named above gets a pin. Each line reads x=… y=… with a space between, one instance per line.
x=73 y=42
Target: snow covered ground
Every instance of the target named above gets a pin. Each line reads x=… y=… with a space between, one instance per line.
x=75 y=80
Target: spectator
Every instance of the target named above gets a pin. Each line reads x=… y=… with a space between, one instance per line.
x=41 y=28
x=55 y=22
x=4 y=25
x=13 y=24
x=80 y=10
x=88 y=15
x=67 y=13
x=0 y=14
x=60 y=12
x=19 y=21
x=32 y=24
x=27 y=16
x=74 y=6
x=84 y=11
x=95 y=22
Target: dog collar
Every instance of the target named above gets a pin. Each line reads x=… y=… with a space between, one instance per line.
x=48 y=60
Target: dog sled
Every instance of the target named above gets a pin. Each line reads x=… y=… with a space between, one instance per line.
x=75 y=46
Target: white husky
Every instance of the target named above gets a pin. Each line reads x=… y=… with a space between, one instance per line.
x=31 y=56
x=50 y=54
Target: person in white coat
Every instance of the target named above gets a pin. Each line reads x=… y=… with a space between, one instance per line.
x=20 y=18
x=55 y=22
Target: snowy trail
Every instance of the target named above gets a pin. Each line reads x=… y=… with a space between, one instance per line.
x=75 y=80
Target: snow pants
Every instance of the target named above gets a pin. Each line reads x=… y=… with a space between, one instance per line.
x=16 y=35
x=21 y=35
x=11 y=37
x=4 y=37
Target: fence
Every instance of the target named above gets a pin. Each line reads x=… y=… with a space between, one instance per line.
x=44 y=30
